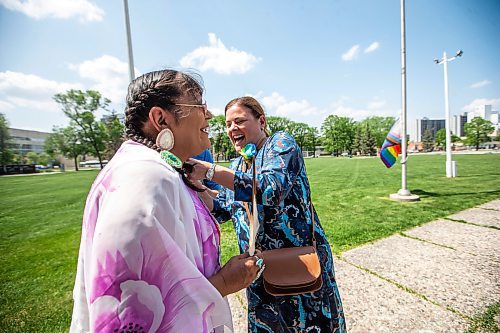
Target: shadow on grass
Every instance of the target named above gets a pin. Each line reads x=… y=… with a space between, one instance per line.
x=478 y=175
x=423 y=193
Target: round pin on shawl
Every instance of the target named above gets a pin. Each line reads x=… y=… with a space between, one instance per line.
x=171 y=159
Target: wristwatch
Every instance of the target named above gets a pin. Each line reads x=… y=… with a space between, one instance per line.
x=210 y=172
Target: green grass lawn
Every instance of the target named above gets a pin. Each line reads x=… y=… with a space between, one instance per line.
x=40 y=222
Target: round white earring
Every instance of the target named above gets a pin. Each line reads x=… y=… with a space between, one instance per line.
x=165 y=139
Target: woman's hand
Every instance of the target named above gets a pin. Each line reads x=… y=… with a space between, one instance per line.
x=238 y=273
x=222 y=175
x=199 y=169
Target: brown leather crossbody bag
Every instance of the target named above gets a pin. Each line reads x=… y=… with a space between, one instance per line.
x=292 y=270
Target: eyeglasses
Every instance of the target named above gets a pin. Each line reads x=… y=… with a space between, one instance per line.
x=203 y=105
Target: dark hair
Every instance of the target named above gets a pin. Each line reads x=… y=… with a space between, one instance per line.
x=252 y=104
x=160 y=88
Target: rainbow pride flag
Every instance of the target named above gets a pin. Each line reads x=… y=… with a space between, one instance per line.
x=392 y=145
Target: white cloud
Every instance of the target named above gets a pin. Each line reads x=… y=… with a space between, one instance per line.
x=277 y=104
x=6 y=106
x=376 y=104
x=15 y=82
x=374 y=108
x=351 y=53
x=273 y=101
x=494 y=102
x=27 y=103
x=19 y=90
x=216 y=111
x=480 y=84
x=301 y=111
x=59 y=9
x=297 y=108
x=28 y=98
x=109 y=74
x=217 y=57
x=373 y=46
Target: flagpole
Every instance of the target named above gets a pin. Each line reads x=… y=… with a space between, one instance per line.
x=404 y=189
x=403 y=194
x=129 y=42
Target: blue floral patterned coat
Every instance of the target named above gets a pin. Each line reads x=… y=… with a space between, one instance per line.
x=285 y=221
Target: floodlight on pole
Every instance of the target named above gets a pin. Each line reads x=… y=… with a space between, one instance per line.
x=129 y=42
x=451 y=170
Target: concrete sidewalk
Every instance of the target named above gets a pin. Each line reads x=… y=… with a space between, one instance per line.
x=432 y=278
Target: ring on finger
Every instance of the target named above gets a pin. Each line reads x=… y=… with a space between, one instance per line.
x=258 y=261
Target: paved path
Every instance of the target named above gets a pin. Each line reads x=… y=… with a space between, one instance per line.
x=432 y=278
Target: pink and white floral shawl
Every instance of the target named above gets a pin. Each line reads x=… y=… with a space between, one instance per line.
x=148 y=246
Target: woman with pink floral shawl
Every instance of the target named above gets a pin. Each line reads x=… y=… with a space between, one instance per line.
x=149 y=253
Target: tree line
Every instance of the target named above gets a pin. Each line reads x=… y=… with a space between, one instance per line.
x=338 y=135
x=87 y=136
x=477 y=132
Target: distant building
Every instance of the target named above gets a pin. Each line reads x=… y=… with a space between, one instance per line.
x=24 y=141
x=458 y=124
x=482 y=111
x=486 y=112
x=424 y=124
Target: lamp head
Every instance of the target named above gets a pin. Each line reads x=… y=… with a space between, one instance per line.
x=436 y=61
x=459 y=53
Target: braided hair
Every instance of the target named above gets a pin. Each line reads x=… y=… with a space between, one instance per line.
x=162 y=89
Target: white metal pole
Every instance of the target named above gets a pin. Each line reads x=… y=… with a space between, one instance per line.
x=129 y=42
x=403 y=194
x=404 y=189
x=449 y=173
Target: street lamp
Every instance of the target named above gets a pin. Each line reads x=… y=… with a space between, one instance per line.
x=451 y=170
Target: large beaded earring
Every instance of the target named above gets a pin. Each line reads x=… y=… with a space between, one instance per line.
x=165 y=139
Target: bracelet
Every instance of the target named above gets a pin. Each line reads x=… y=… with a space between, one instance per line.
x=210 y=172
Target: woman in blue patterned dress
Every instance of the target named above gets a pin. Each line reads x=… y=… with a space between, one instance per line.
x=283 y=197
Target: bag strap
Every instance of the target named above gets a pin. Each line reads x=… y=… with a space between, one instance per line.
x=254 y=189
x=254 y=194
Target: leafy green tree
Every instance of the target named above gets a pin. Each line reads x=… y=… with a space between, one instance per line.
x=379 y=127
x=427 y=140
x=80 y=107
x=356 y=144
x=220 y=140
x=17 y=159
x=114 y=134
x=368 y=141
x=43 y=158
x=6 y=153
x=275 y=124
x=52 y=143
x=338 y=133
x=312 y=139
x=299 y=131
x=65 y=141
x=441 y=138
x=32 y=157
x=477 y=131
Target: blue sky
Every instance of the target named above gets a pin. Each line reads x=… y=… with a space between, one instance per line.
x=303 y=60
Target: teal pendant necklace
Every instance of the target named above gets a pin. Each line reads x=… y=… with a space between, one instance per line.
x=171 y=159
